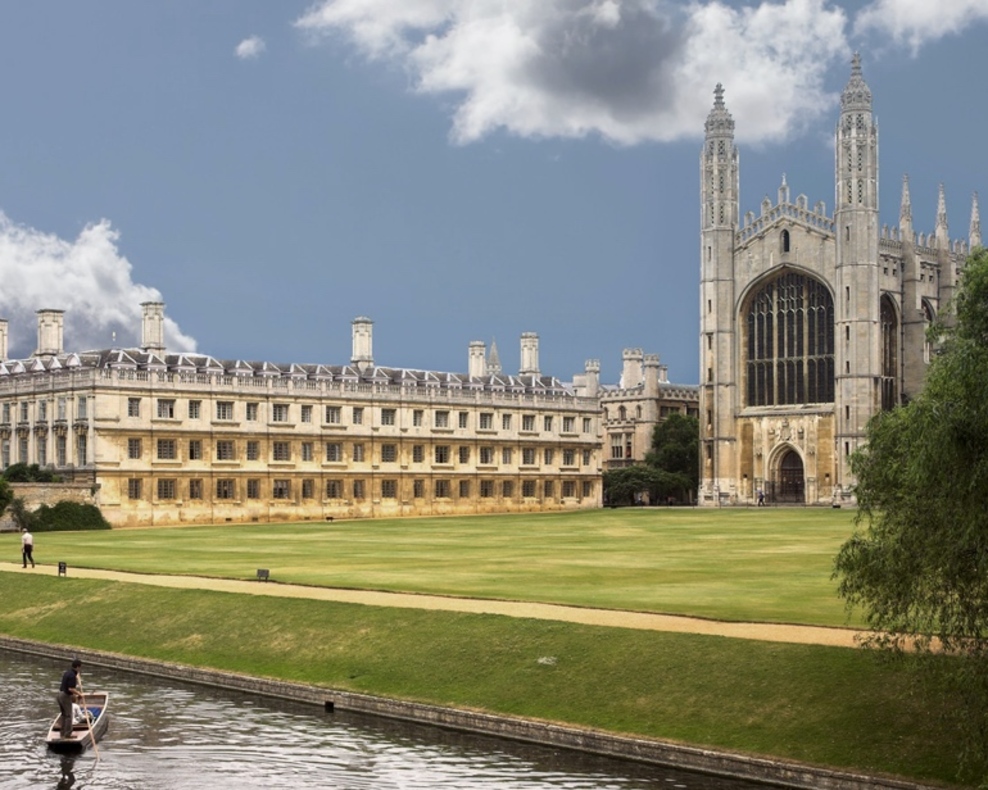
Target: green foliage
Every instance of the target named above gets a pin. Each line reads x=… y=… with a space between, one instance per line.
x=6 y=495
x=23 y=518
x=625 y=486
x=920 y=568
x=22 y=473
x=676 y=452
x=64 y=516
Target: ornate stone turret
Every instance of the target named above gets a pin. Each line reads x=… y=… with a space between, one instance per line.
x=942 y=231
x=974 y=235
x=906 y=212
x=719 y=194
x=4 y=329
x=493 y=360
x=631 y=373
x=857 y=293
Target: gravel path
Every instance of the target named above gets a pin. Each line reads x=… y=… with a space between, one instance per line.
x=765 y=632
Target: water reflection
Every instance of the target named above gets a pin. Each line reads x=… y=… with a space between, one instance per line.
x=166 y=735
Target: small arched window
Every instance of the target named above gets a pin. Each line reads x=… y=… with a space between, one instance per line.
x=785 y=241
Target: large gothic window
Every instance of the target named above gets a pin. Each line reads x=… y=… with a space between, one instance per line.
x=890 y=354
x=790 y=343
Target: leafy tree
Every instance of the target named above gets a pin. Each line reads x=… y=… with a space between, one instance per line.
x=676 y=452
x=919 y=569
x=67 y=515
x=22 y=517
x=6 y=495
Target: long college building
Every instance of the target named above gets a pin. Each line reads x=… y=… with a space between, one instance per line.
x=810 y=323
x=186 y=438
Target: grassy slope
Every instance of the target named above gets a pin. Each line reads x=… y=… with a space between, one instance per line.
x=824 y=705
x=753 y=564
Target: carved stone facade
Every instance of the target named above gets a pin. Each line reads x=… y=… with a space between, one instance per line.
x=187 y=438
x=630 y=411
x=810 y=324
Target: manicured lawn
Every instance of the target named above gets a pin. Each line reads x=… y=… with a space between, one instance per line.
x=761 y=564
x=822 y=705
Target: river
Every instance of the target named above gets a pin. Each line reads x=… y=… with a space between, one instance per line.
x=166 y=735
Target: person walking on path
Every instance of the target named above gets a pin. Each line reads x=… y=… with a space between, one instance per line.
x=68 y=692
x=27 y=547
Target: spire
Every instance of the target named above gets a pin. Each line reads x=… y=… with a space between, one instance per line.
x=975 y=233
x=493 y=360
x=906 y=211
x=783 y=191
x=719 y=121
x=857 y=94
x=942 y=234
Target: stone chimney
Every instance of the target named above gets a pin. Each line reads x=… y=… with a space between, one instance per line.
x=3 y=339
x=477 y=363
x=651 y=365
x=153 y=327
x=529 y=354
x=631 y=375
x=363 y=343
x=591 y=378
x=50 y=328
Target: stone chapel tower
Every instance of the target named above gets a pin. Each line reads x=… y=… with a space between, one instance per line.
x=719 y=194
x=857 y=297
x=810 y=324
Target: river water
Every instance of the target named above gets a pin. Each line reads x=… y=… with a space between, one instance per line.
x=165 y=735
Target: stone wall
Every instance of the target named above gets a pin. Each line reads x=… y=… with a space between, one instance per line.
x=37 y=494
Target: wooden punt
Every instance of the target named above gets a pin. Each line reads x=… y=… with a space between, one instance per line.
x=83 y=733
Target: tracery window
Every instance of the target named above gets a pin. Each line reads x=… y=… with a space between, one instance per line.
x=890 y=354
x=790 y=343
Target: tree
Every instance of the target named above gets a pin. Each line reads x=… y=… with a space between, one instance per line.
x=6 y=495
x=676 y=451
x=919 y=569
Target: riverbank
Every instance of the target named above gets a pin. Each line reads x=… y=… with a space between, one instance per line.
x=822 y=711
x=709 y=761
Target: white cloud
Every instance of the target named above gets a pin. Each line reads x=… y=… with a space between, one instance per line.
x=88 y=278
x=915 y=22
x=628 y=70
x=251 y=47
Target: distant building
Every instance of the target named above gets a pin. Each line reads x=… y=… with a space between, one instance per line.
x=631 y=410
x=186 y=438
x=810 y=323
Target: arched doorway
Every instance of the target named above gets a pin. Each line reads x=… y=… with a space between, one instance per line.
x=791 y=486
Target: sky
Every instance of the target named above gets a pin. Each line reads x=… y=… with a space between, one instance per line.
x=456 y=170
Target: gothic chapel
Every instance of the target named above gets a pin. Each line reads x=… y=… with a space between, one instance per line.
x=809 y=324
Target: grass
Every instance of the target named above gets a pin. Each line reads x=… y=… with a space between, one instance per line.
x=828 y=706
x=821 y=705
x=757 y=564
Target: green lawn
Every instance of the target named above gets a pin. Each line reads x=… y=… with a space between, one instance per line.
x=761 y=564
x=824 y=705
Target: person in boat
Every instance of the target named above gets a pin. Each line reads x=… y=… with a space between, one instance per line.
x=68 y=692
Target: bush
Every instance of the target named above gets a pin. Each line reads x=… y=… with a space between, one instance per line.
x=22 y=473
x=64 y=516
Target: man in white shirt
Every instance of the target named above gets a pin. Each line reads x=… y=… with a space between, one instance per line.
x=27 y=547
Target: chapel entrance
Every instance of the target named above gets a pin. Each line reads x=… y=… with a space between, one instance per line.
x=791 y=486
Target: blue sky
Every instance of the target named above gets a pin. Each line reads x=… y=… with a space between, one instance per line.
x=455 y=169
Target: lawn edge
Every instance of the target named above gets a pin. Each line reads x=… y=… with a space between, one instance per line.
x=735 y=765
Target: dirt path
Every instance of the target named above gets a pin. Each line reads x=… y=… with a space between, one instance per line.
x=765 y=632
